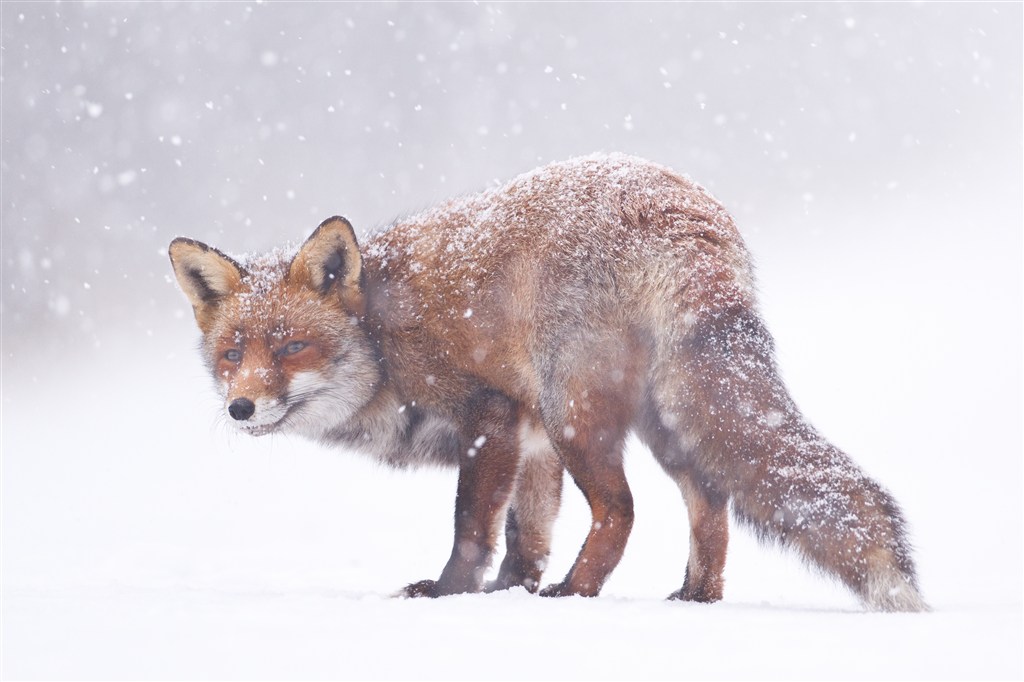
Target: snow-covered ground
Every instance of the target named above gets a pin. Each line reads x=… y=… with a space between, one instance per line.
x=140 y=541
x=871 y=153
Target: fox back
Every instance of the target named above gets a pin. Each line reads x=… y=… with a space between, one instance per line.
x=529 y=329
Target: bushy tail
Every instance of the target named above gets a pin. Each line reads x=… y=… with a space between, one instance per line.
x=787 y=482
x=808 y=495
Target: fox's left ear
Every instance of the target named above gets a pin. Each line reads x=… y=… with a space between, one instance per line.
x=330 y=262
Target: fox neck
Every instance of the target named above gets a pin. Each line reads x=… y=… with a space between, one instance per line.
x=397 y=431
x=394 y=425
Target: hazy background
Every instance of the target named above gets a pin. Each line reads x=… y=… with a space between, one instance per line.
x=125 y=125
x=871 y=153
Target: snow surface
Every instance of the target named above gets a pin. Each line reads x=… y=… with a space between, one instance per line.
x=141 y=538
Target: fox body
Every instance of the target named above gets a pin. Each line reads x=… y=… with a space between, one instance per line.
x=531 y=328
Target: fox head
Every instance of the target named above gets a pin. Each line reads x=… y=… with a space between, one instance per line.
x=284 y=337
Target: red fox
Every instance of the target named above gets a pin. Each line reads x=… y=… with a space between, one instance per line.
x=531 y=328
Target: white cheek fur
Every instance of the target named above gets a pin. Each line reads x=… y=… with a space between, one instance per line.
x=323 y=401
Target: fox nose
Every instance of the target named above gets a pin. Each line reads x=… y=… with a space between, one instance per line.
x=241 y=409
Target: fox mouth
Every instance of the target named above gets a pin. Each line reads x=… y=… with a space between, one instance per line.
x=263 y=429
x=258 y=429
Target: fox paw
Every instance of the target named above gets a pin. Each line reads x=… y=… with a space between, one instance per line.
x=424 y=588
x=700 y=596
x=557 y=590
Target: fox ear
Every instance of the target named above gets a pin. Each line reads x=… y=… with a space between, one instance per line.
x=330 y=261
x=205 y=274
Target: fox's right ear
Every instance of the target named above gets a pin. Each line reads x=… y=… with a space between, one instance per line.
x=205 y=274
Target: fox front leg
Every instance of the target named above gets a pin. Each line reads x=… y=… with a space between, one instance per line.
x=487 y=471
x=531 y=513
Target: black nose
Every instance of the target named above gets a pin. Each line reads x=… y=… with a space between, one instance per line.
x=241 y=409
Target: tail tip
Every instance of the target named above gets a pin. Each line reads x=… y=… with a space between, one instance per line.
x=893 y=593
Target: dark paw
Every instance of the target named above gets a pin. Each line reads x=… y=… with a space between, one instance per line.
x=556 y=590
x=699 y=596
x=567 y=588
x=424 y=588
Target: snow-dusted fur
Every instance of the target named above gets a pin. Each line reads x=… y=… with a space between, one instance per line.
x=532 y=327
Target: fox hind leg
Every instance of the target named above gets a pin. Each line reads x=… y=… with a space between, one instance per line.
x=532 y=511
x=707 y=508
x=709 y=539
x=589 y=439
x=603 y=484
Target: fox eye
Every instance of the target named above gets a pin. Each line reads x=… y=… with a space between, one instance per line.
x=293 y=347
x=233 y=355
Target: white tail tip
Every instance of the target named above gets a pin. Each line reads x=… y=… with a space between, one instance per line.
x=891 y=591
